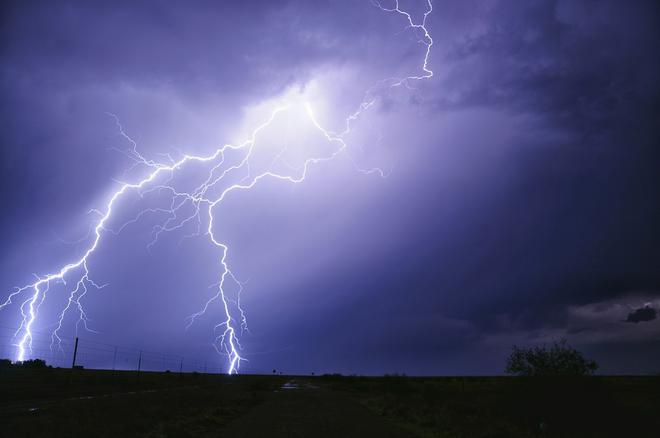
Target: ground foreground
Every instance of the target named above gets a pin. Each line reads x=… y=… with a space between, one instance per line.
x=54 y=402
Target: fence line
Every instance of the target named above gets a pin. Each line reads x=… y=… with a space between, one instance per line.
x=94 y=354
x=101 y=355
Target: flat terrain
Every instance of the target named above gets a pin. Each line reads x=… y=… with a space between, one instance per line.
x=302 y=409
x=70 y=403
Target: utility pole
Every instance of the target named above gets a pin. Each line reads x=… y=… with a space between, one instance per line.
x=75 y=353
x=114 y=360
x=139 y=364
x=114 y=367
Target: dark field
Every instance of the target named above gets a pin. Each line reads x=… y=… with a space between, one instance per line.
x=63 y=402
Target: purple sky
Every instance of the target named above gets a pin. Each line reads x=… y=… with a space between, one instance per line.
x=521 y=206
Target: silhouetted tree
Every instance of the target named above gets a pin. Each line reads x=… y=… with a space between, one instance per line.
x=34 y=363
x=559 y=359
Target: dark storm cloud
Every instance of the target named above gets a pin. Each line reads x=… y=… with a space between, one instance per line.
x=143 y=43
x=646 y=313
x=577 y=62
x=584 y=81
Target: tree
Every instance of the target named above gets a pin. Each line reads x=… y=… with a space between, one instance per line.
x=559 y=359
x=33 y=363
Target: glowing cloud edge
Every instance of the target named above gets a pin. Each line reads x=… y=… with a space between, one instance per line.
x=226 y=340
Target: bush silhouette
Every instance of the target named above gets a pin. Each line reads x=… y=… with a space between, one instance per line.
x=34 y=363
x=559 y=359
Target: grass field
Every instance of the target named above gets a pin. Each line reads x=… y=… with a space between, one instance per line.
x=63 y=402
x=513 y=406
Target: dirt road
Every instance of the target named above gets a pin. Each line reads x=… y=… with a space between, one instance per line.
x=246 y=406
x=301 y=410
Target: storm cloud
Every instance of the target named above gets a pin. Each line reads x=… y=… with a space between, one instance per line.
x=646 y=313
x=521 y=205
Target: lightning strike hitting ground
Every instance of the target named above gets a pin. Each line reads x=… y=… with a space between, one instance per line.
x=204 y=201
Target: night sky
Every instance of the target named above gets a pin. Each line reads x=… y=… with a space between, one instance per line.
x=520 y=203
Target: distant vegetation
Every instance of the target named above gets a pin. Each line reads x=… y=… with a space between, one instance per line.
x=558 y=359
x=32 y=363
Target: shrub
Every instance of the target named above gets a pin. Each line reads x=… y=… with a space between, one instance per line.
x=559 y=359
x=34 y=363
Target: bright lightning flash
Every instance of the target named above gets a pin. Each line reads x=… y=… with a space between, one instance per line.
x=204 y=200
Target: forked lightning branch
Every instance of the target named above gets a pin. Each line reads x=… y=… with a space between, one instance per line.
x=201 y=202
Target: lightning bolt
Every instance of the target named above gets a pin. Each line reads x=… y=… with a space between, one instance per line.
x=205 y=200
x=424 y=38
